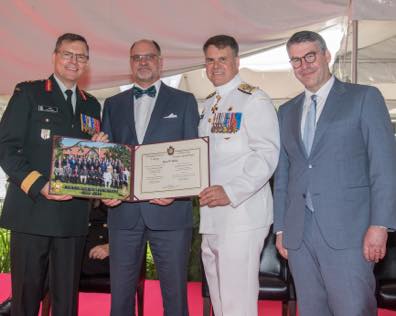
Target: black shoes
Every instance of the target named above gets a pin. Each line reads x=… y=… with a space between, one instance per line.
x=5 y=307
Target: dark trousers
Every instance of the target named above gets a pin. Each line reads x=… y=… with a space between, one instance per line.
x=34 y=259
x=170 y=251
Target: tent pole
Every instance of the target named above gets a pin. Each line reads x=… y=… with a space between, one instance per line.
x=354 y=54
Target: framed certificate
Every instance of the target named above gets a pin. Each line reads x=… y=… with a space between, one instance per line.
x=172 y=169
x=84 y=168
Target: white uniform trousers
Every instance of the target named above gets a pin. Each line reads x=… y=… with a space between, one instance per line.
x=231 y=261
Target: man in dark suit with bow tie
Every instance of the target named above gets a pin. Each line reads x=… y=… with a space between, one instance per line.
x=150 y=112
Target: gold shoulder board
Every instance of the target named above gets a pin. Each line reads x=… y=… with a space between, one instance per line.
x=246 y=88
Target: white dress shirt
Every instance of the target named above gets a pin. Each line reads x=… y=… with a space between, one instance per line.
x=143 y=107
x=64 y=88
x=321 y=94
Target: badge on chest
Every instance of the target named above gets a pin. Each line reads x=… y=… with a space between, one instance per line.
x=226 y=122
x=89 y=124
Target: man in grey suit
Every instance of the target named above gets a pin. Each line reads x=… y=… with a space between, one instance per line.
x=335 y=185
x=150 y=112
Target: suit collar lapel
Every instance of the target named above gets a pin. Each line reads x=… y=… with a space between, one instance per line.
x=158 y=111
x=129 y=109
x=331 y=108
x=81 y=98
x=296 y=126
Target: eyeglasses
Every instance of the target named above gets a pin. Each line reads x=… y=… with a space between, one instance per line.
x=139 y=58
x=81 y=58
x=309 y=58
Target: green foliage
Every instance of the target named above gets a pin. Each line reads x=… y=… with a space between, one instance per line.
x=58 y=148
x=119 y=152
x=5 y=264
x=151 y=273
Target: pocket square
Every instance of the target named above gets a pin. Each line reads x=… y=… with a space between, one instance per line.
x=172 y=115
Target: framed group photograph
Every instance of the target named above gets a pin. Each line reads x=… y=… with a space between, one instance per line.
x=89 y=169
x=84 y=168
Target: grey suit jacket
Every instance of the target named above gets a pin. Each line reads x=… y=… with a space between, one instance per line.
x=351 y=171
x=118 y=122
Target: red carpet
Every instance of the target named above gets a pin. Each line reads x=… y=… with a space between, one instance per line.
x=99 y=304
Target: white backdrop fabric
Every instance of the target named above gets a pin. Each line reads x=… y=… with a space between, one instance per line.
x=29 y=28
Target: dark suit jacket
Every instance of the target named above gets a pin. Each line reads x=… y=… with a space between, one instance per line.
x=118 y=123
x=350 y=173
x=36 y=111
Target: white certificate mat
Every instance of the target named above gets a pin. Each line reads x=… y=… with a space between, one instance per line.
x=171 y=169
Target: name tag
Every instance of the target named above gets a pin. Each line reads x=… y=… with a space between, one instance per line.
x=48 y=108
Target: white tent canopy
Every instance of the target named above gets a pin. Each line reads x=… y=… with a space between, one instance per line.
x=376 y=58
x=29 y=29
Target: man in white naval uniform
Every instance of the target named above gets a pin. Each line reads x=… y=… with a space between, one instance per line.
x=236 y=210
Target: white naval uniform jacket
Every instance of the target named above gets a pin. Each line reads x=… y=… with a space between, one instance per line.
x=242 y=162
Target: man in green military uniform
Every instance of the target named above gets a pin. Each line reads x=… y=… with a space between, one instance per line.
x=47 y=231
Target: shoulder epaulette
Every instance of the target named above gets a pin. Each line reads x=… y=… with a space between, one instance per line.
x=211 y=95
x=33 y=81
x=246 y=88
x=19 y=87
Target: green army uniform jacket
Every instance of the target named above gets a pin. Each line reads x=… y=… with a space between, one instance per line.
x=37 y=111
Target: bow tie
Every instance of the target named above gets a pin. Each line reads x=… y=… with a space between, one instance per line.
x=137 y=92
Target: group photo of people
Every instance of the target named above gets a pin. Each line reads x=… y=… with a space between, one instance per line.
x=79 y=166
x=315 y=176
x=106 y=173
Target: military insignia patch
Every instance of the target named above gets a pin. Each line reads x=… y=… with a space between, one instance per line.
x=48 y=85
x=45 y=134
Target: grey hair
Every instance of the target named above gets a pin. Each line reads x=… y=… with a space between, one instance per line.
x=307 y=36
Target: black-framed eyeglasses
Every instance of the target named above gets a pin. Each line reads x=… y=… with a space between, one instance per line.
x=148 y=57
x=309 y=58
x=81 y=58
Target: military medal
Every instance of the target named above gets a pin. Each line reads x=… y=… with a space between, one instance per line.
x=89 y=124
x=226 y=122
